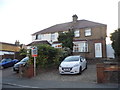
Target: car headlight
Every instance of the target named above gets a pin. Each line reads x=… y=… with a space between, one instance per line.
x=76 y=65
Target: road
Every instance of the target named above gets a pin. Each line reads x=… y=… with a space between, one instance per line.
x=12 y=80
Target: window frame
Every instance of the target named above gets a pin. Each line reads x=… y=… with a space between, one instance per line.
x=81 y=46
x=77 y=33
x=52 y=34
x=36 y=37
x=88 y=32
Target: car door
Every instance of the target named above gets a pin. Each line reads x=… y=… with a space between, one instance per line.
x=9 y=62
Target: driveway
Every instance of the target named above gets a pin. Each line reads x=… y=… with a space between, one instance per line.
x=88 y=75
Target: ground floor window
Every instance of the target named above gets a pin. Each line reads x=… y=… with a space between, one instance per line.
x=81 y=46
x=58 y=45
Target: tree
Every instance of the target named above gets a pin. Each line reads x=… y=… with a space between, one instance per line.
x=115 y=37
x=66 y=39
x=23 y=51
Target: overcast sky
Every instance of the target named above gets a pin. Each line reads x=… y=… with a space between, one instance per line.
x=21 y=18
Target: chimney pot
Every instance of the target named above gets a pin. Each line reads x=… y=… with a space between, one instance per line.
x=75 y=17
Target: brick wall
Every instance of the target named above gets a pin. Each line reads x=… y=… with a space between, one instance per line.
x=98 y=36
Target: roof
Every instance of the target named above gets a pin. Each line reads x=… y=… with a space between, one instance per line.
x=7 y=43
x=66 y=26
x=9 y=47
x=38 y=42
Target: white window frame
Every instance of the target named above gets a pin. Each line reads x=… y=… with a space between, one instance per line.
x=52 y=36
x=81 y=46
x=77 y=33
x=40 y=36
x=88 y=32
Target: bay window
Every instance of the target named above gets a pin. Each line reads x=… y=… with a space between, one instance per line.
x=81 y=46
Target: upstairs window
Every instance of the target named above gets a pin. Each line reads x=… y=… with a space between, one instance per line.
x=88 y=32
x=77 y=33
x=42 y=36
x=52 y=36
x=36 y=37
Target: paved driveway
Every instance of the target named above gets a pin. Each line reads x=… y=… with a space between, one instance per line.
x=88 y=75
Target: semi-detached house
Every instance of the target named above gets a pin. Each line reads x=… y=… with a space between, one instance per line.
x=89 y=37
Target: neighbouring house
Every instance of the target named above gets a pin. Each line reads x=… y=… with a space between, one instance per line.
x=89 y=37
x=7 y=50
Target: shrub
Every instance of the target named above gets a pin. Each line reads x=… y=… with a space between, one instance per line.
x=64 y=53
x=47 y=56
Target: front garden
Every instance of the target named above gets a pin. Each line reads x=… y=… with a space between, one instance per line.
x=48 y=57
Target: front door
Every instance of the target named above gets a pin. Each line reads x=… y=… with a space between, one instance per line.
x=98 y=50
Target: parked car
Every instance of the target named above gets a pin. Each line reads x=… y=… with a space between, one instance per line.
x=73 y=65
x=7 y=62
x=22 y=62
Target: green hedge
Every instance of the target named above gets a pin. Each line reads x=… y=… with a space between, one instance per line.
x=49 y=56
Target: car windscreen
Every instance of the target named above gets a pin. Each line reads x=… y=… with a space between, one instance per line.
x=24 y=59
x=5 y=60
x=71 y=58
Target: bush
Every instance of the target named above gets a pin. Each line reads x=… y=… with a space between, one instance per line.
x=47 y=56
x=64 y=53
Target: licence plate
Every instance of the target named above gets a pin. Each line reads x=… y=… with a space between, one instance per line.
x=67 y=69
x=16 y=68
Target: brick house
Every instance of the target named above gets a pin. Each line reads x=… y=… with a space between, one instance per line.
x=89 y=37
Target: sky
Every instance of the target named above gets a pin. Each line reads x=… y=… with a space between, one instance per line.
x=21 y=18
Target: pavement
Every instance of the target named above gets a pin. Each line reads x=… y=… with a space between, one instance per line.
x=35 y=83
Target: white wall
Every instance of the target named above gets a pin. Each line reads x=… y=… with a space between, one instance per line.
x=46 y=37
x=110 y=51
x=33 y=38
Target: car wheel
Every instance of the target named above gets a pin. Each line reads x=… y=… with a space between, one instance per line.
x=17 y=71
x=80 y=70
x=86 y=66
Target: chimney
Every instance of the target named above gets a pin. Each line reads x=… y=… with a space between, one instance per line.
x=17 y=43
x=75 y=17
